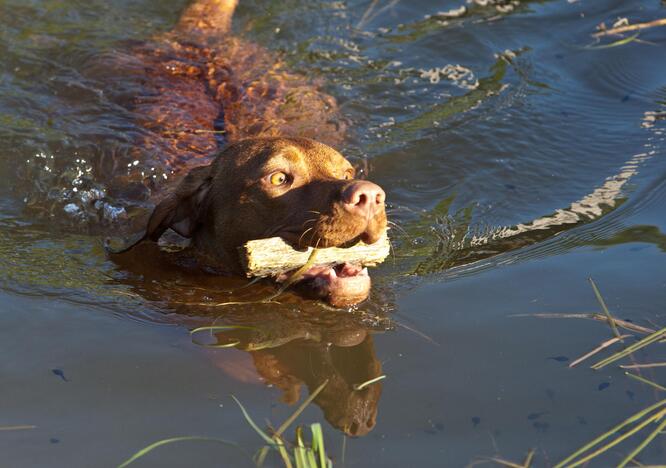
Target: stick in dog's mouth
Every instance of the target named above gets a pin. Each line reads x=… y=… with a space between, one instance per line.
x=339 y=275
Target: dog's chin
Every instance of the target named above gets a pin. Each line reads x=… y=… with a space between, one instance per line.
x=340 y=285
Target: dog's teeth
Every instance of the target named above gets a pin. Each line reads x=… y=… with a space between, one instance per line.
x=364 y=271
x=332 y=273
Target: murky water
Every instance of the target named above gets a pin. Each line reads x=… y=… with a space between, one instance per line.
x=509 y=114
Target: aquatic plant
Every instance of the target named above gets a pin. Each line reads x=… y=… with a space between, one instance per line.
x=654 y=414
x=300 y=455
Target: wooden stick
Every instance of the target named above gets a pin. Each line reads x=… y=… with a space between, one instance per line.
x=631 y=27
x=17 y=428
x=602 y=346
x=270 y=257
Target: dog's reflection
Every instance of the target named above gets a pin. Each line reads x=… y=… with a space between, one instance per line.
x=309 y=357
x=293 y=342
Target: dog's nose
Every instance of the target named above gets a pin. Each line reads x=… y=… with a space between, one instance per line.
x=363 y=198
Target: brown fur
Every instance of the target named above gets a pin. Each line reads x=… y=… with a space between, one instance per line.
x=353 y=411
x=203 y=89
x=231 y=201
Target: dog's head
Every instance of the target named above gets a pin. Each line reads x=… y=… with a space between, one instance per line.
x=295 y=188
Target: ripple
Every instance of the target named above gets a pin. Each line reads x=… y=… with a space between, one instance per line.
x=598 y=215
x=441 y=115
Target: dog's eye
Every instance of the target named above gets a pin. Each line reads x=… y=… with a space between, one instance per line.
x=278 y=178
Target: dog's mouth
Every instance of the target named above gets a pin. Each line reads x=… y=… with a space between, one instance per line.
x=341 y=285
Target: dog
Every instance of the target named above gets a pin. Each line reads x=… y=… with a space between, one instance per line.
x=275 y=175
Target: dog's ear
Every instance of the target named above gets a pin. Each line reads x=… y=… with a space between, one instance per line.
x=180 y=210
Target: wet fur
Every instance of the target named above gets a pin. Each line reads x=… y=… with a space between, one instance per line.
x=227 y=203
x=203 y=90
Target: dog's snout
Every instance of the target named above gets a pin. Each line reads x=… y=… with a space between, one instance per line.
x=363 y=198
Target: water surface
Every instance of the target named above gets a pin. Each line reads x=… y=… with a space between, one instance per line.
x=473 y=125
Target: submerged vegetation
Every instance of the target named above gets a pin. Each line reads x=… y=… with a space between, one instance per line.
x=654 y=415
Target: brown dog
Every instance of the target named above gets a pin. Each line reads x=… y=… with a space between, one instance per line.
x=295 y=188
x=260 y=185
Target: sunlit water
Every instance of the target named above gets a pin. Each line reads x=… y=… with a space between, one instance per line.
x=479 y=128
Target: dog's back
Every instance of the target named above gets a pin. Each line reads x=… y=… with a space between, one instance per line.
x=203 y=88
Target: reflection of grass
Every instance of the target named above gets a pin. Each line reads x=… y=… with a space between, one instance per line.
x=643 y=234
x=488 y=86
x=474 y=13
x=303 y=455
x=448 y=239
x=33 y=259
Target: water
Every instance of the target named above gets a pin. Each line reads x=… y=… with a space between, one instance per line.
x=474 y=125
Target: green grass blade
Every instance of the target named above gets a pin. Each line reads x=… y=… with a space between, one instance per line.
x=656 y=336
x=647 y=365
x=162 y=442
x=299 y=437
x=502 y=462
x=218 y=328
x=318 y=443
x=620 y=42
x=361 y=386
x=295 y=276
x=528 y=459
x=299 y=457
x=646 y=381
x=643 y=444
x=214 y=328
x=601 y=301
x=604 y=436
x=261 y=455
x=283 y=452
x=261 y=433
x=310 y=458
x=299 y=450
x=283 y=427
x=216 y=346
x=616 y=441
